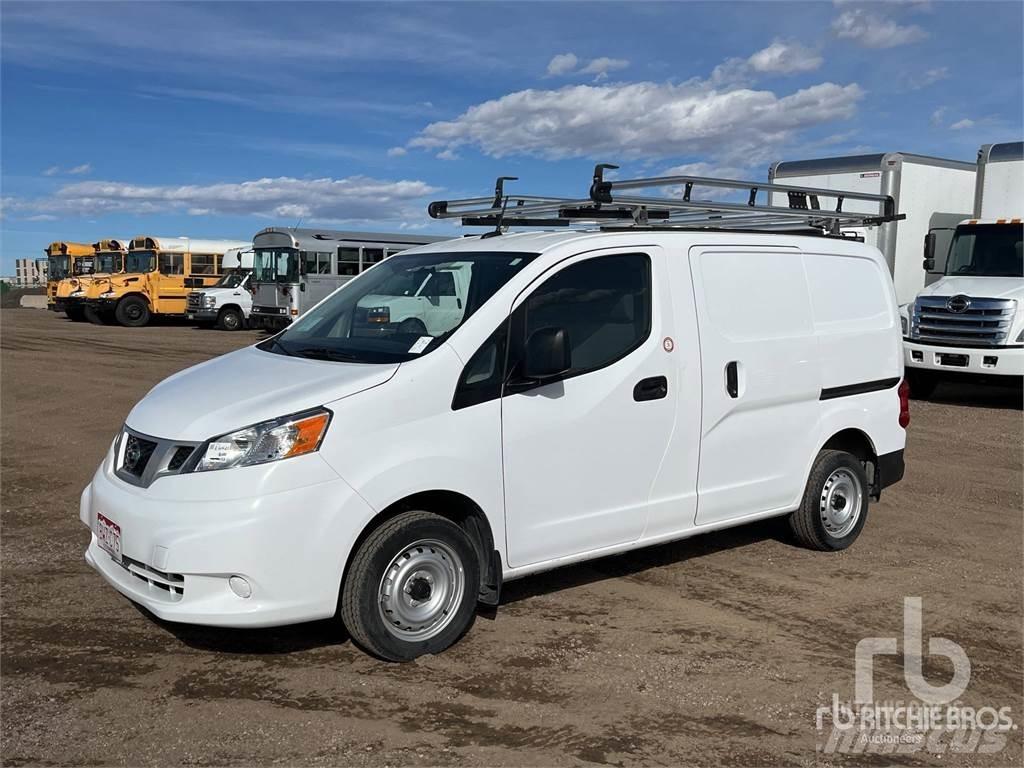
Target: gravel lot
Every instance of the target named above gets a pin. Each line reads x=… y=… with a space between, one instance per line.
x=714 y=650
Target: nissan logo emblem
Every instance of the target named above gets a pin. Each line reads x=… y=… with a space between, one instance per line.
x=958 y=304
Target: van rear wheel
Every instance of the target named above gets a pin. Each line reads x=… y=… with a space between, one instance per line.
x=132 y=311
x=411 y=588
x=835 y=504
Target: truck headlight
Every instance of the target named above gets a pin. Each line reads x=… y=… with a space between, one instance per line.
x=904 y=325
x=209 y=301
x=77 y=293
x=267 y=441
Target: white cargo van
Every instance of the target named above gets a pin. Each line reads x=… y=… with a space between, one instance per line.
x=970 y=324
x=598 y=390
x=933 y=193
x=228 y=303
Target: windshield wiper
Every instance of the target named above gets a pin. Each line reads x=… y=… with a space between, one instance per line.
x=325 y=353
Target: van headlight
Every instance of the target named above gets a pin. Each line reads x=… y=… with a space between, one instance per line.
x=209 y=301
x=267 y=441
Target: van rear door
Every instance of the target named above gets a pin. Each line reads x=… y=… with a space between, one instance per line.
x=761 y=379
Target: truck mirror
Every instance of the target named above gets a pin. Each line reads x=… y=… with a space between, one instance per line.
x=929 y=252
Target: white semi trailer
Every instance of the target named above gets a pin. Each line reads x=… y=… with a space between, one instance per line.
x=970 y=323
x=934 y=193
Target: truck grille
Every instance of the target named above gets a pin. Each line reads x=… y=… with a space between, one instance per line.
x=195 y=301
x=964 y=321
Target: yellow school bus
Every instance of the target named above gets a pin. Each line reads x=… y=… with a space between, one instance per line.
x=108 y=260
x=159 y=272
x=65 y=261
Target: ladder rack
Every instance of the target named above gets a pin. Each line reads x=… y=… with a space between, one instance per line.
x=611 y=205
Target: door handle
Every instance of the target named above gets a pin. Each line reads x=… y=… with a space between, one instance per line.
x=732 y=381
x=653 y=388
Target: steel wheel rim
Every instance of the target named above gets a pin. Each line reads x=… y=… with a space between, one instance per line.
x=840 y=503
x=134 y=311
x=421 y=589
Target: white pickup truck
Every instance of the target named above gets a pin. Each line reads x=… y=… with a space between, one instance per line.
x=970 y=323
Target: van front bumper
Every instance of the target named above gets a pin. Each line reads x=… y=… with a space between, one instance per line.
x=182 y=543
x=990 y=361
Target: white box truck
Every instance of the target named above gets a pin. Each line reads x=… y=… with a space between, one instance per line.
x=933 y=192
x=228 y=303
x=970 y=322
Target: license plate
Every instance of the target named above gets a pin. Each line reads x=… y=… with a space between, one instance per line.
x=959 y=361
x=108 y=536
x=191 y=317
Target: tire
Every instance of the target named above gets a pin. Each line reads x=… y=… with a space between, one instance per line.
x=96 y=316
x=412 y=326
x=230 y=319
x=423 y=552
x=922 y=383
x=132 y=312
x=819 y=523
x=75 y=314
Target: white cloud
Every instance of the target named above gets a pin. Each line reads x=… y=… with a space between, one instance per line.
x=397 y=152
x=928 y=77
x=78 y=170
x=873 y=30
x=939 y=116
x=959 y=125
x=356 y=198
x=640 y=120
x=602 y=66
x=785 y=58
x=448 y=154
x=562 y=64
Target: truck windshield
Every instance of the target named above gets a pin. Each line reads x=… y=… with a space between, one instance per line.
x=986 y=250
x=57 y=267
x=140 y=261
x=233 y=278
x=109 y=262
x=278 y=265
x=363 y=322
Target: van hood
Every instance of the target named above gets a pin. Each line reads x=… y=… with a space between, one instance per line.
x=979 y=287
x=246 y=387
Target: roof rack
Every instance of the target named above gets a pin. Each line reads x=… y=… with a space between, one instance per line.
x=611 y=205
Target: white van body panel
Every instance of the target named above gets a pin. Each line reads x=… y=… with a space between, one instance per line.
x=562 y=472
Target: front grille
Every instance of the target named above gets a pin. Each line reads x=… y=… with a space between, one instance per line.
x=141 y=459
x=194 y=301
x=962 y=320
x=258 y=310
x=166 y=586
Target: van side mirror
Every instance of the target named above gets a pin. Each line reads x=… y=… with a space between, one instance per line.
x=929 y=252
x=547 y=354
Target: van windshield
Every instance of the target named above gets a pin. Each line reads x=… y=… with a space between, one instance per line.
x=986 y=250
x=365 y=321
x=233 y=278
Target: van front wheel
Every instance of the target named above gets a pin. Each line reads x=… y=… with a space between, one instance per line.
x=835 y=504
x=411 y=587
x=132 y=311
x=230 y=319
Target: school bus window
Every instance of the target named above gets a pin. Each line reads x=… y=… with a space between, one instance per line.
x=204 y=264
x=371 y=256
x=172 y=264
x=348 y=261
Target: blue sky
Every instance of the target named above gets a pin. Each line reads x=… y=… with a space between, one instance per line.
x=217 y=119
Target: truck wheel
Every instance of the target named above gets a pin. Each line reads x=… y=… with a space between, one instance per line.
x=411 y=587
x=835 y=504
x=922 y=383
x=132 y=312
x=230 y=319
x=75 y=314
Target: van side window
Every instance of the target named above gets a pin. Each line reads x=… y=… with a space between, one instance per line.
x=604 y=305
x=483 y=375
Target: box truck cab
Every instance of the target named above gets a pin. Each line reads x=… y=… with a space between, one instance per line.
x=969 y=325
x=296 y=268
x=597 y=391
x=159 y=272
x=229 y=302
x=65 y=262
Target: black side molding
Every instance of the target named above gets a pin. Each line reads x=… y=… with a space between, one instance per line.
x=858 y=389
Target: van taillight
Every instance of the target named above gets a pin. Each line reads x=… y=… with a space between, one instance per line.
x=904 y=391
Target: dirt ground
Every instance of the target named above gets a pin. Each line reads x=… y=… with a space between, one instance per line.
x=715 y=650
